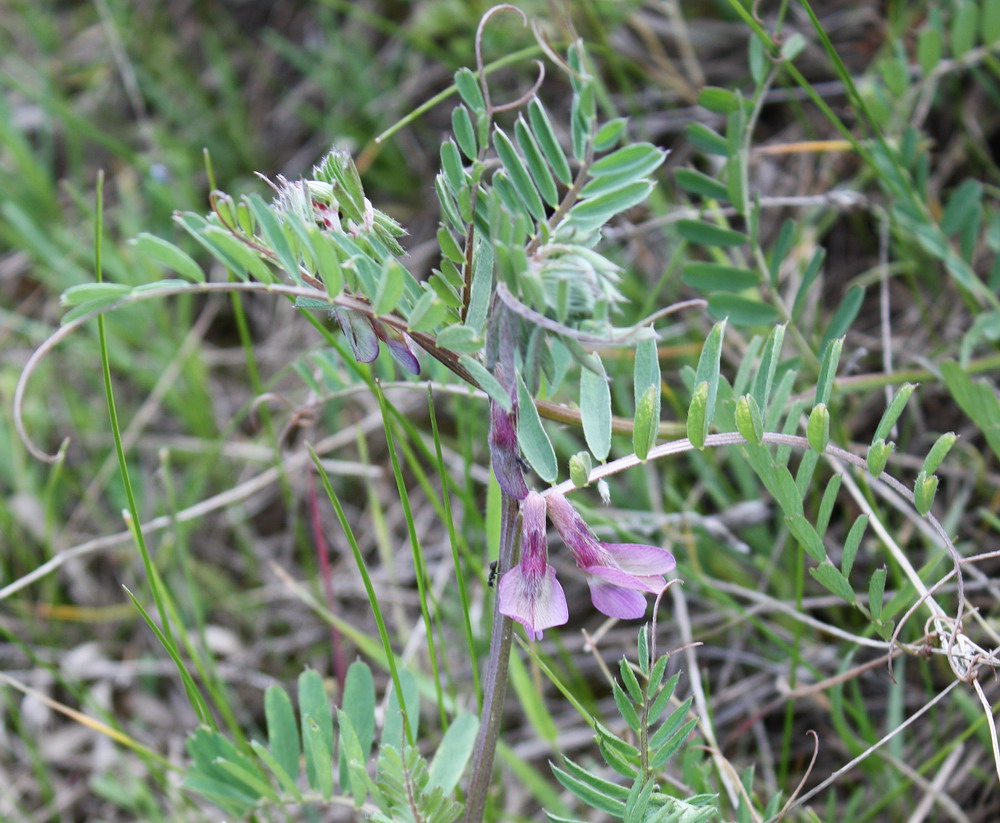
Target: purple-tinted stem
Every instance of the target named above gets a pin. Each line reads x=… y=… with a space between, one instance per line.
x=326 y=574
x=495 y=676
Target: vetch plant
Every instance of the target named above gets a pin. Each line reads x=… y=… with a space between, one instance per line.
x=526 y=306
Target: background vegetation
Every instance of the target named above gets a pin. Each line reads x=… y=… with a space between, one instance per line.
x=873 y=154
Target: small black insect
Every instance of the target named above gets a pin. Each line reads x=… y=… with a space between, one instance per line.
x=493 y=574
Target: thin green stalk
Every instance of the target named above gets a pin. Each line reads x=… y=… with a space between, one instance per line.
x=51 y=515
x=366 y=580
x=463 y=595
x=410 y=445
x=135 y=523
x=180 y=542
x=419 y=568
x=204 y=665
x=495 y=679
x=793 y=670
x=257 y=386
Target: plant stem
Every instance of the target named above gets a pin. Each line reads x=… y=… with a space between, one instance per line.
x=495 y=676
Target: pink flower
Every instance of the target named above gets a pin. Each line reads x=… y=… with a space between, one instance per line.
x=618 y=573
x=529 y=592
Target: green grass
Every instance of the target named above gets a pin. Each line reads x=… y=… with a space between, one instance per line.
x=216 y=401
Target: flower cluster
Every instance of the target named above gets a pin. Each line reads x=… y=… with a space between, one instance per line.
x=619 y=574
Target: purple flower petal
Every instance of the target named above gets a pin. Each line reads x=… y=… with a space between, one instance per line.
x=640 y=559
x=619 y=574
x=360 y=335
x=403 y=355
x=614 y=601
x=575 y=532
x=652 y=584
x=536 y=602
x=399 y=347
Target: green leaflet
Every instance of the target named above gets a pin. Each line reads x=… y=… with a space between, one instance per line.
x=275 y=238
x=769 y=358
x=719 y=100
x=938 y=452
x=828 y=575
x=596 y=211
x=646 y=371
x=828 y=369
x=706 y=382
x=647 y=422
x=169 y=255
x=818 y=428
x=709 y=277
x=878 y=455
x=390 y=288
x=465 y=132
x=317 y=730
x=629 y=162
x=749 y=421
x=709 y=141
x=247 y=261
x=893 y=411
x=531 y=436
x=609 y=134
x=518 y=174
x=536 y=163
x=851 y=544
x=482 y=286
x=808 y=278
x=453 y=753
x=845 y=314
x=468 y=88
x=709 y=234
x=595 y=408
x=547 y=141
x=487 y=382
x=580 y=467
x=358 y=705
x=459 y=338
x=805 y=533
x=976 y=399
x=924 y=490
x=697 y=183
x=283 y=736
x=102 y=293
x=741 y=311
x=451 y=165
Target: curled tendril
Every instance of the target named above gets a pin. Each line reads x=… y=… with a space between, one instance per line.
x=552 y=54
x=798 y=789
x=971 y=661
x=481 y=70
